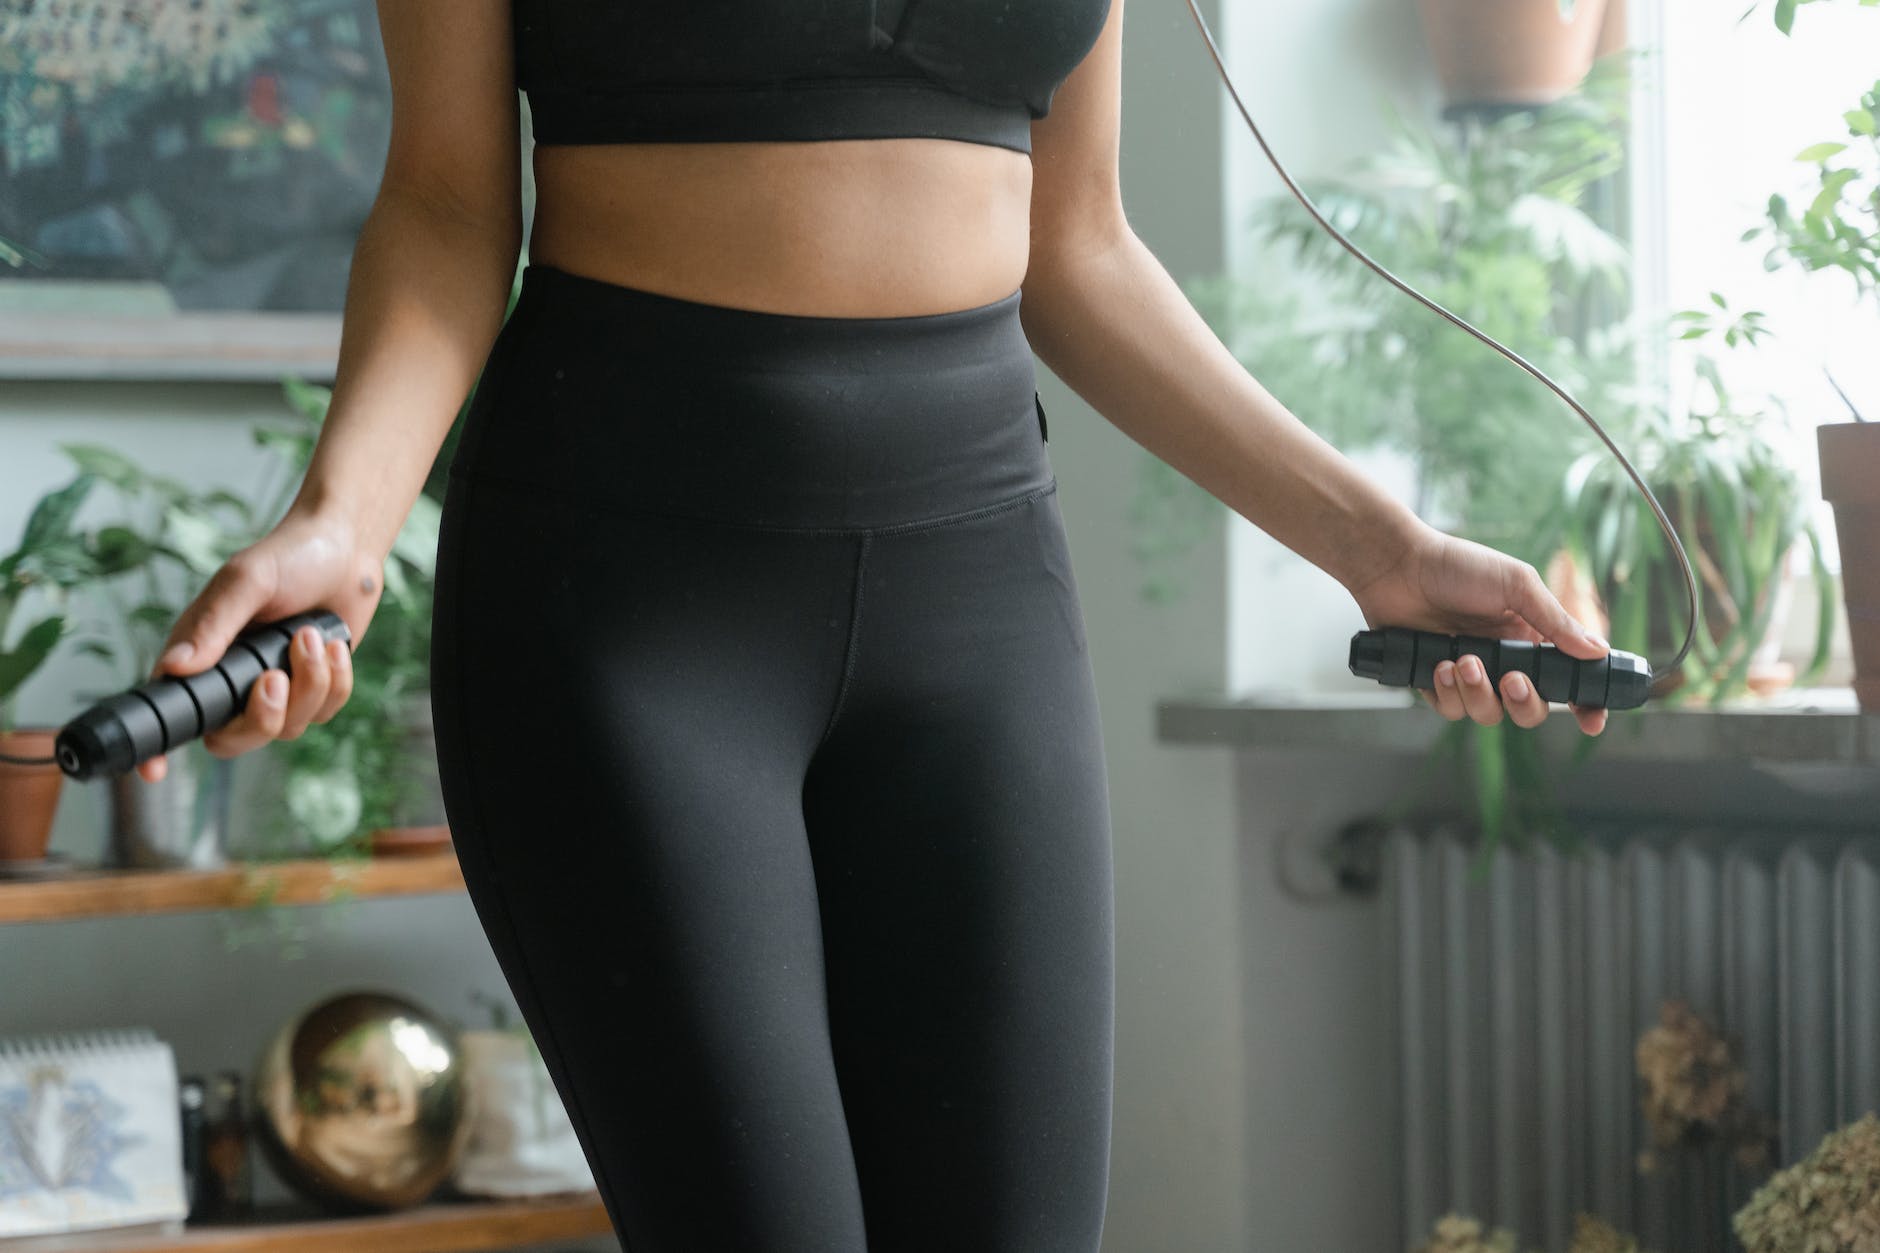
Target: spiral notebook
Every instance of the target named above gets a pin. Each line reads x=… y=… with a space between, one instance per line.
x=90 y=1133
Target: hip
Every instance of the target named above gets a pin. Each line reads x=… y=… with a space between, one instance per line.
x=613 y=396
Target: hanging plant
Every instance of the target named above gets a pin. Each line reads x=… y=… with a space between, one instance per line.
x=1493 y=54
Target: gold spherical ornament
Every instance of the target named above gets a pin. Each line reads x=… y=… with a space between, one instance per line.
x=360 y=1102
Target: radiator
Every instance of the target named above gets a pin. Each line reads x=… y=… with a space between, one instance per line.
x=1519 y=998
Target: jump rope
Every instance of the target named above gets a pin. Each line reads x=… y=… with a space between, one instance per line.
x=117 y=733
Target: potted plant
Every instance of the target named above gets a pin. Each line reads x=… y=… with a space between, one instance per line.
x=181 y=819
x=521 y=1142
x=372 y=767
x=1840 y=230
x=1850 y=480
x=368 y=783
x=1829 y=1200
x=49 y=561
x=55 y=559
x=1495 y=226
x=1725 y=474
x=1500 y=53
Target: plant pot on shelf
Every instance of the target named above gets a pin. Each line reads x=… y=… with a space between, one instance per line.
x=520 y=1141
x=1501 y=53
x=29 y=795
x=417 y=826
x=180 y=821
x=1850 y=481
x=423 y=805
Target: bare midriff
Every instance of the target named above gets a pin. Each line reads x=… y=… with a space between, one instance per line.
x=831 y=228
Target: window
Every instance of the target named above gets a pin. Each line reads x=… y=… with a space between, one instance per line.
x=1721 y=106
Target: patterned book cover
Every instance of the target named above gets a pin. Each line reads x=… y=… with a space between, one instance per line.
x=90 y=1133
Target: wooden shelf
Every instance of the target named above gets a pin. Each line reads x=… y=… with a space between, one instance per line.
x=97 y=893
x=444 y=1227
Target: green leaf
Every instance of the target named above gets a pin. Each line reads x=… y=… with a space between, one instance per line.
x=1820 y=152
x=107 y=463
x=1827 y=605
x=1860 y=121
x=52 y=517
x=397 y=586
x=1583 y=750
x=117 y=549
x=195 y=540
x=64 y=563
x=224 y=497
x=166 y=489
x=1491 y=782
x=18 y=664
x=1830 y=194
x=155 y=614
x=1727 y=524
x=1785 y=15
x=417 y=538
x=308 y=399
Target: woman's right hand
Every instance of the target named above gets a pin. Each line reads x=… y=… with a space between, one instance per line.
x=308 y=561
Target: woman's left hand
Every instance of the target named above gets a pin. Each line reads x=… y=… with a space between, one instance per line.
x=1458 y=587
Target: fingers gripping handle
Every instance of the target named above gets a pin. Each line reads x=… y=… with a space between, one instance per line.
x=1401 y=657
x=120 y=731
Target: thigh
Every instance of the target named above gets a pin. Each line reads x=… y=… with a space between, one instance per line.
x=959 y=819
x=624 y=708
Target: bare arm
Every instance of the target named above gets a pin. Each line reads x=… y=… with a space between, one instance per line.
x=432 y=268
x=430 y=278
x=1113 y=324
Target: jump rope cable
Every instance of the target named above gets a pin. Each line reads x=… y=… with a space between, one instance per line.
x=1684 y=562
x=1690 y=577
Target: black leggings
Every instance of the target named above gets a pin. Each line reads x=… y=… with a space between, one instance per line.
x=770 y=749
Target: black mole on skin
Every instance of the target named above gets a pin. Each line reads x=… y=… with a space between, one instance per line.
x=365 y=584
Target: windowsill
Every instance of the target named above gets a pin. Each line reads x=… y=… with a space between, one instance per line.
x=1810 y=725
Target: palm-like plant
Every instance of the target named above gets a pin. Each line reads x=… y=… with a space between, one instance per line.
x=1488 y=220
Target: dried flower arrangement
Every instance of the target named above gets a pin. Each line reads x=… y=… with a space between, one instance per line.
x=1457 y=1234
x=1693 y=1091
x=1829 y=1202
x=1590 y=1235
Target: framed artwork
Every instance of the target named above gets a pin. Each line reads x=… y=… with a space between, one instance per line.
x=182 y=183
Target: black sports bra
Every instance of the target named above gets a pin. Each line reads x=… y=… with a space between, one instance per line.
x=637 y=71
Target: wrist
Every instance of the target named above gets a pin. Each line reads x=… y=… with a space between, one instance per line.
x=343 y=516
x=1401 y=537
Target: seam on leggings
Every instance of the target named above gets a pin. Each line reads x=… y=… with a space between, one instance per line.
x=848 y=646
x=575 y=1111
x=538 y=495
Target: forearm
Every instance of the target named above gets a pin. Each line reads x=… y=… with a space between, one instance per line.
x=1116 y=327
x=423 y=304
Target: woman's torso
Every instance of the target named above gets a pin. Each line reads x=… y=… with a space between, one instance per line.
x=837 y=228
x=847 y=158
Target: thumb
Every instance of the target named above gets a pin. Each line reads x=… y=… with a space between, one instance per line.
x=1533 y=600
x=235 y=595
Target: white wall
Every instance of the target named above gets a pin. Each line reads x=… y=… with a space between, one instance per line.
x=1251 y=1093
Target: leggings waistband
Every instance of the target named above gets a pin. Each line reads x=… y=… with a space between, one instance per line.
x=607 y=394
x=754 y=339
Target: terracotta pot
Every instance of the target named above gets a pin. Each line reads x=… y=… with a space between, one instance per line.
x=1511 y=52
x=29 y=795
x=1613 y=33
x=1850 y=481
